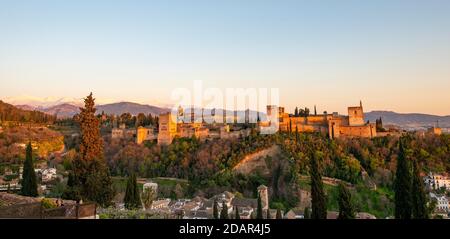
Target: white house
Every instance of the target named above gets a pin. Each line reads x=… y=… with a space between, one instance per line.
x=442 y=202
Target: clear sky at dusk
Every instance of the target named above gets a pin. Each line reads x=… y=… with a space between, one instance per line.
x=392 y=55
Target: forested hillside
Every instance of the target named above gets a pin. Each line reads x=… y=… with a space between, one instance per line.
x=11 y=113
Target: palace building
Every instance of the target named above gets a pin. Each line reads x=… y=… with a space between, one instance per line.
x=335 y=125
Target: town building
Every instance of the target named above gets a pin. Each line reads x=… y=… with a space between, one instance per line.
x=435 y=181
x=442 y=203
x=46 y=174
x=160 y=204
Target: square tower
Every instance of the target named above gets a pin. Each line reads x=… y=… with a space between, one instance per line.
x=356 y=115
x=167 y=128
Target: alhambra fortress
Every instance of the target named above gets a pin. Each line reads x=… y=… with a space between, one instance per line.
x=334 y=125
x=179 y=124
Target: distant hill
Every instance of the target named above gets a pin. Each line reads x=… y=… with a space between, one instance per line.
x=129 y=107
x=42 y=103
x=411 y=121
x=9 y=112
x=62 y=110
x=26 y=107
x=69 y=110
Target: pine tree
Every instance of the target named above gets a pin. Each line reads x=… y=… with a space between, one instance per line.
x=29 y=184
x=216 y=210
x=236 y=210
x=91 y=174
x=224 y=212
x=307 y=213
x=132 y=198
x=268 y=216
x=259 y=211
x=279 y=216
x=419 y=198
x=402 y=184
x=296 y=111
x=318 y=200
x=346 y=209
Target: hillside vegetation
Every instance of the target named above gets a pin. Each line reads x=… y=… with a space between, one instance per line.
x=11 y=113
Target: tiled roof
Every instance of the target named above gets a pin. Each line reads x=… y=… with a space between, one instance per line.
x=244 y=202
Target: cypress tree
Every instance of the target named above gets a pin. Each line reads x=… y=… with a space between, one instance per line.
x=419 y=198
x=290 y=127
x=216 y=210
x=346 y=209
x=279 y=216
x=259 y=211
x=307 y=213
x=132 y=198
x=237 y=216
x=29 y=184
x=318 y=200
x=296 y=111
x=224 y=212
x=91 y=174
x=402 y=184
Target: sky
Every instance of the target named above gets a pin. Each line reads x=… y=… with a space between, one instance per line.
x=391 y=54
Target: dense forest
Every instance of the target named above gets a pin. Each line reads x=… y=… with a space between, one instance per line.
x=11 y=113
x=349 y=159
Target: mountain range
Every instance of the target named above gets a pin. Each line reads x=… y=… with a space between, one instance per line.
x=409 y=121
x=66 y=110
x=68 y=107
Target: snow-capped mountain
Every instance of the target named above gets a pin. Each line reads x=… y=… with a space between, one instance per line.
x=42 y=103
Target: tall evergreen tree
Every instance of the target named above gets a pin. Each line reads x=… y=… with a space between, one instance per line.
x=224 y=212
x=132 y=198
x=290 y=127
x=402 y=183
x=346 y=208
x=29 y=184
x=91 y=174
x=259 y=211
x=279 y=216
x=318 y=200
x=307 y=213
x=236 y=210
x=216 y=210
x=296 y=111
x=419 y=198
